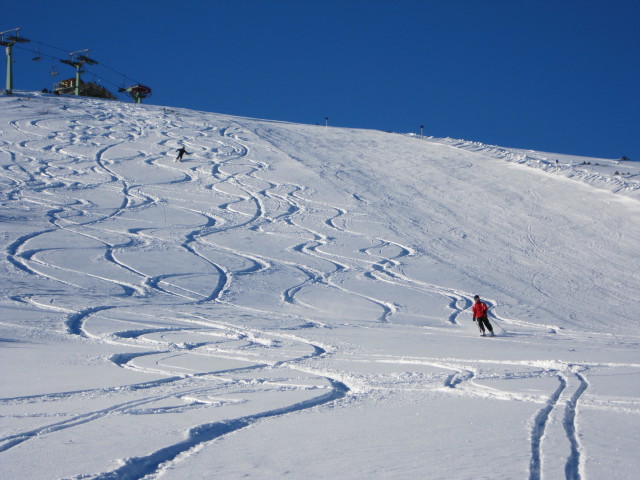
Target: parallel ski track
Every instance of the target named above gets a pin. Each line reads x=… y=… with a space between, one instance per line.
x=23 y=258
x=574 y=462
x=248 y=207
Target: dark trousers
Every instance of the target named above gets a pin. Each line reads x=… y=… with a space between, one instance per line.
x=484 y=322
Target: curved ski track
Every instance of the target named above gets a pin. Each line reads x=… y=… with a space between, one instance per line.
x=85 y=176
x=43 y=253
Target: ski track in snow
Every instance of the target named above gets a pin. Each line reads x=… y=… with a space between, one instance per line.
x=86 y=175
x=573 y=463
x=67 y=217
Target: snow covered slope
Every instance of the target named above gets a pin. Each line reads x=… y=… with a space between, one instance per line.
x=293 y=300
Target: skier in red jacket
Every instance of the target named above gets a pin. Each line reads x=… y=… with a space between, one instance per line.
x=479 y=311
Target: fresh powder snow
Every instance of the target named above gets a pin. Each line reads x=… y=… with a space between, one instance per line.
x=293 y=301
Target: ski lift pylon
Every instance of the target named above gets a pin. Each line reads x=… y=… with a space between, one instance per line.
x=137 y=92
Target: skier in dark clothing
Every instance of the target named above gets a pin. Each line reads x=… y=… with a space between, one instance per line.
x=479 y=311
x=181 y=151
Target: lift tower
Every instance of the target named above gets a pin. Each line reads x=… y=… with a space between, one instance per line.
x=77 y=60
x=8 y=39
x=137 y=92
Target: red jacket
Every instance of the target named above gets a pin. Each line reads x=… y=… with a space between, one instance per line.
x=479 y=309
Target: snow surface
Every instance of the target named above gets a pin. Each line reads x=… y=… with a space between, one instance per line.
x=293 y=301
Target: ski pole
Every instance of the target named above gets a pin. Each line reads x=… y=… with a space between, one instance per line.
x=479 y=325
x=501 y=327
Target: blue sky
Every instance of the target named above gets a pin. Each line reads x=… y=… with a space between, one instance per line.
x=553 y=75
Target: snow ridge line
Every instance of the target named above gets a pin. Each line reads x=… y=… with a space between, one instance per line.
x=615 y=183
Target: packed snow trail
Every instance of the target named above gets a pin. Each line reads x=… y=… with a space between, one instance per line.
x=301 y=284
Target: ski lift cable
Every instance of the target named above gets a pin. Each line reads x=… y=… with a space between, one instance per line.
x=95 y=75
x=50 y=46
x=119 y=73
x=102 y=64
x=105 y=81
x=66 y=51
x=102 y=79
x=39 y=53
